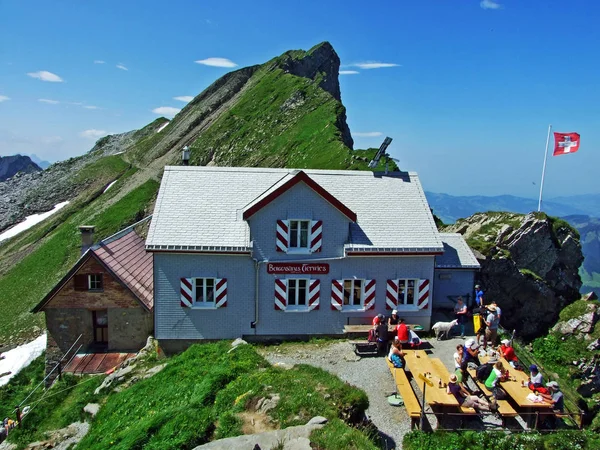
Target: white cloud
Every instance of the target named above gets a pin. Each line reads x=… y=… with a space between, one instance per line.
x=47 y=100
x=99 y=61
x=184 y=98
x=93 y=134
x=368 y=134
x=121 y=66
x=216 y=62
x=52 y=139
x=90 y=107
x=490 y=4
x=349 y=72
x=46 y=76
x=74 y=103
x=3 y=98
x=373 y=65
x=168 y=111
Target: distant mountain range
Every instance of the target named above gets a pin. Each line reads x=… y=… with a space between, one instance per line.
x=450 y=208
x=581 y=211
x=39 y=161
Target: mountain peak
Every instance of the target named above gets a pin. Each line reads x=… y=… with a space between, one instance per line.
x=321 y=63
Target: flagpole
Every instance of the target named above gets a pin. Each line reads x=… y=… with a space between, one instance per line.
x=544 y=169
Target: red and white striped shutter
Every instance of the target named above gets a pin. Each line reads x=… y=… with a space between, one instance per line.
x=369 y=294
x=316 y=236
x=281 y=290
x=314 y=294
x=423 y=294
x=187 y=292
x=337 y=294
x=221 y=292
x=282 y=235
x=391 y=296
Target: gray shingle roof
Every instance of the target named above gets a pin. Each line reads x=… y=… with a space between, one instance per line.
x=457 y=254
x=200 y=208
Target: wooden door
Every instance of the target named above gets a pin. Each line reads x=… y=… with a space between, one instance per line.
x=100 y=319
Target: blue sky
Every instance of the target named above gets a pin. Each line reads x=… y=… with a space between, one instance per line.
x=468 y=102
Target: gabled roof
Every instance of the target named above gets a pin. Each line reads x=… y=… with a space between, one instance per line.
x=457 y=254
x=124 y=256
x=286 y=183
x=203 y=208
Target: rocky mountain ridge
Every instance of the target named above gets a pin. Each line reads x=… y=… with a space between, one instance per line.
x=529 y=266
x=12 y=165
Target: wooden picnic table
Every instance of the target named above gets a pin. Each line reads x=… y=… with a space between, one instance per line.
x=518 y=392
x=418 y=362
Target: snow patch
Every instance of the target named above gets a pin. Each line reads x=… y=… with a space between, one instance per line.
x=109 y=186
x=20 y=357
x=163 y=126
x=30 y=221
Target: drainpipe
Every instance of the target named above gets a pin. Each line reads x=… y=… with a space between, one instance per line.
x=257 y=270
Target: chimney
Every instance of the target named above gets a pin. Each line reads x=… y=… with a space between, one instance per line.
x=185 y=156
x=87 y=237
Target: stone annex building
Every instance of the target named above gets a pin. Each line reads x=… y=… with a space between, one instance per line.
x=261 y=253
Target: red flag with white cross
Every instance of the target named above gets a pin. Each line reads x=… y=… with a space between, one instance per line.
x=565 y=143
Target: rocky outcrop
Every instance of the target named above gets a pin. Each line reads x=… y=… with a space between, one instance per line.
x=290 y=438
x=530 y=266
x=11 y=165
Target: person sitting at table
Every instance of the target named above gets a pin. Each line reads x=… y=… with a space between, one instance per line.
x=556 y=399
x=471 y=354
x=536 y=380
x=508 y=353
x=396 y=355
x=493 y=381
x=394 y=319
x=402 y=332
x=464 y=398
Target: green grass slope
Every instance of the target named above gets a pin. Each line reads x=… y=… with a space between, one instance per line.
x=199 y=395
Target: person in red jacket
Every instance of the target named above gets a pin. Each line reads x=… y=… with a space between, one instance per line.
x=402 y=332
x=508 y=352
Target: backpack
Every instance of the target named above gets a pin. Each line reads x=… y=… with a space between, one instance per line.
x=484 y=371
x=372 y=335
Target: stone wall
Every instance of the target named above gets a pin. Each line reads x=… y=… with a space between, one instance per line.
x=129 y=328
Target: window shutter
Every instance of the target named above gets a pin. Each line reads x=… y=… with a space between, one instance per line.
x=369 y=294
x=316 y=236
x=391 y=296
x=187 y=293
x=81 y=282
x=282 y=235
x=221 y=292
x=101 y=281
x=314 y=294
x=423 y=294
x=281 y=294
x=337 y=294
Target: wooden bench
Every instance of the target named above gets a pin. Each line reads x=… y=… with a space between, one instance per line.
x=403 y=387
x=504 y=408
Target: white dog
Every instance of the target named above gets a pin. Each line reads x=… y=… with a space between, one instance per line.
x=443 y=328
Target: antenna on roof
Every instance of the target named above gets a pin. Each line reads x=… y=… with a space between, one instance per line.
x=382 y=153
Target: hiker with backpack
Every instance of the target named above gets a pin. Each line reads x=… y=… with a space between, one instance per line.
x=381 y=335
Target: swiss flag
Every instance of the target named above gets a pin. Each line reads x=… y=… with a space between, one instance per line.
x=565 y=143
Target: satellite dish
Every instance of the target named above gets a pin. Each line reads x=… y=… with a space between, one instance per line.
x=382 y=153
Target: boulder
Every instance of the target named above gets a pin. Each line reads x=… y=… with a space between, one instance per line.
x=92 y=409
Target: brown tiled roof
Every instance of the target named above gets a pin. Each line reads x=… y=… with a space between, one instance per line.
x=125 y=255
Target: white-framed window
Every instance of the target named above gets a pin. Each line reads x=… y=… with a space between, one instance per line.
x=299 y=234
x=95 y=282
x=297 y=293
x=204 y=291
x=353 y=293
x=407 y=292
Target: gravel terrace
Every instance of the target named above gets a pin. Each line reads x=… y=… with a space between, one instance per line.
x=373 y=376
